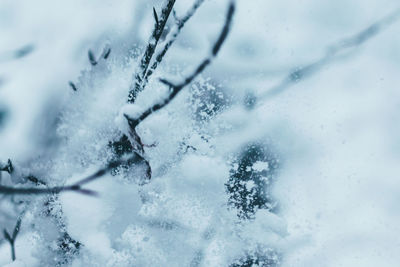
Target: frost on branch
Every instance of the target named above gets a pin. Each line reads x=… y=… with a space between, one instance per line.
x=144 y=161
x=151 y=158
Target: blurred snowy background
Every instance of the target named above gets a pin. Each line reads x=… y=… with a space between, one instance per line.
x=335 y=133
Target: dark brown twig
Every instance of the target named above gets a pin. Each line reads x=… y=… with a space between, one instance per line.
x=11 y=238
x=8 y=167
x=180 y=23
x=150 y=49
x=106 y=53
x=176 y=88
x=73 y=86
x=92 y=58
x=76 y=187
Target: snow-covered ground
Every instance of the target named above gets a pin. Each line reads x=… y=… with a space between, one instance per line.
x=336 y=133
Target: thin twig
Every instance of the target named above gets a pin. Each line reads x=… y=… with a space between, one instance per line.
x=179 y=26
x=76 y=187
x=11 y=238
x=150 y=49
x=106 y=52
x=176 y=88
x=333 y=52
x=8 y=167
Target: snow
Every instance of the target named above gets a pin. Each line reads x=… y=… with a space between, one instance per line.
x=334 y=136
x=260 y=166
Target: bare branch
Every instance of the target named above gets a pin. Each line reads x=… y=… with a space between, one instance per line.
x=150 y=49
x=333 y=52
x=142 y=76
x=11 y=239
x=8 y=190
x=76 y=187
x=176 y=88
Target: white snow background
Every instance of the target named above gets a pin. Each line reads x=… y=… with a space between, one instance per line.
x=336 y=133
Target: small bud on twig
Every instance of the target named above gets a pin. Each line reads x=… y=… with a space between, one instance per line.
x=72 y=86
x=107 y=53
x=155 y=16
x=92 y=59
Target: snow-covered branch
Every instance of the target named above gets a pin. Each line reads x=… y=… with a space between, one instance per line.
x=176 y=88
x=179 y=25
x=150 y=49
